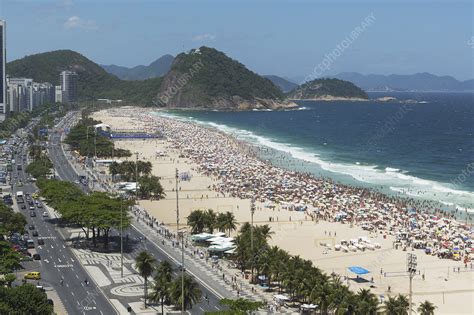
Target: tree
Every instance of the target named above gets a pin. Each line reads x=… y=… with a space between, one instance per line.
x=210 y=220
x=403 y=304
x=241 y=305
x=391 y=306
x=196 y=220
x=9 y=278
x=367 y=302
x=149 y=187
x=9 y=259
x=426 y=308
x=24 y=299
x=226 y=222
x=162 y=284
x=145 y=265
x=192 y=293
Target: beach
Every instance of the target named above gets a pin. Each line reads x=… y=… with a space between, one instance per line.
x=309 y=216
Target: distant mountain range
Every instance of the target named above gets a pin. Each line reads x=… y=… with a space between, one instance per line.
x=413 y=82
x=285 y=85
x=157 y=68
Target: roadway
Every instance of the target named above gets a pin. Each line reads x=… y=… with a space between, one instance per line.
x=66 y=172
x=57 y=261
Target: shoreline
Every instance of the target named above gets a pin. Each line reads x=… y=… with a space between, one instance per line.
x=290 y=226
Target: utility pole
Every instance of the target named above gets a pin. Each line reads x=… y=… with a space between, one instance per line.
x=411 y=268
x=136 y=176
x=87 y=137
x=252 y=211
x=182 y=241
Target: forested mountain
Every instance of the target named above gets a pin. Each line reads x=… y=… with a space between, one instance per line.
x=328 y=89
x=93 y=81
x=207 y=78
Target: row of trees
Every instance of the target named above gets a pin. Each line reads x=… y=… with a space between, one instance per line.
x=87 y=142
x=96 y=213
x=304 y=282
x=165 y=289
x=208 y=220
x=149 y=186
x=41 y=165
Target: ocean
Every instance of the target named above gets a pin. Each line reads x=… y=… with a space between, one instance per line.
x=422 y=147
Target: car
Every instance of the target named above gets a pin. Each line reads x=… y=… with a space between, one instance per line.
x=31 y=227
x=36 y=257
x=40 y=241
x=39 y=205
x=35 y=233
x=33 y=275
x=77 y=182
x=32 y=208
x=50 y=302
x=23 y=207
x=45 y=214
x=32 y=214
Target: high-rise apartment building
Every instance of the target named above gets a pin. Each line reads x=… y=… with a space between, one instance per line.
x=3 y=60
x=58 y=94
x=69 y=86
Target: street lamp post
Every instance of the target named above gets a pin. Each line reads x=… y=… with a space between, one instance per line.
x=182 y=240
x=411 y=268
x=136 y=175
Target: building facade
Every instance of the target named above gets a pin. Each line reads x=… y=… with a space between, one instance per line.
x=24 y=95
x=58 y=94
x=3 y=61
x=69 y=86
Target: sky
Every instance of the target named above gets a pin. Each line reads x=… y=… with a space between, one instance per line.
x=286 y=38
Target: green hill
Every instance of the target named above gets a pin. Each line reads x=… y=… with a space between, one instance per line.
x=207 y=78
x=328 y=89
x=93 y=81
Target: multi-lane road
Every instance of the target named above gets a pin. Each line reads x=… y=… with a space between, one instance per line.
x=65 y=172
x=57 y=261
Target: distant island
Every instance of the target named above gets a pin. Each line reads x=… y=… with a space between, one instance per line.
x=328 y=90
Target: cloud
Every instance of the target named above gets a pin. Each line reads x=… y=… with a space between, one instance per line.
x=75 y=22
x=204 y=37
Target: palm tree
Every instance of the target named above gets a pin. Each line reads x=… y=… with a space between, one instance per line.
x=367 y=302
x=220 y=222
x=192 y=293
x=426 y=308
x=197 y=221
x=391 y=306
x=210 y=220
x=403 y=304
x=145 y=265
x=230 y=222
x=162 y=284
x=264 y=231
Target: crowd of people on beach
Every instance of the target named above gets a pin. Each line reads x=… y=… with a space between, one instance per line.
x=240 y=172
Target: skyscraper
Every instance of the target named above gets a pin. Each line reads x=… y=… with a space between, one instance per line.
x=3 y=57
x=69 y=86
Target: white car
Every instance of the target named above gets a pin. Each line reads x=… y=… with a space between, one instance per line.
x=45 y=214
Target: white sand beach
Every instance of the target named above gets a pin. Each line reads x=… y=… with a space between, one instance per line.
x=311 y=234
